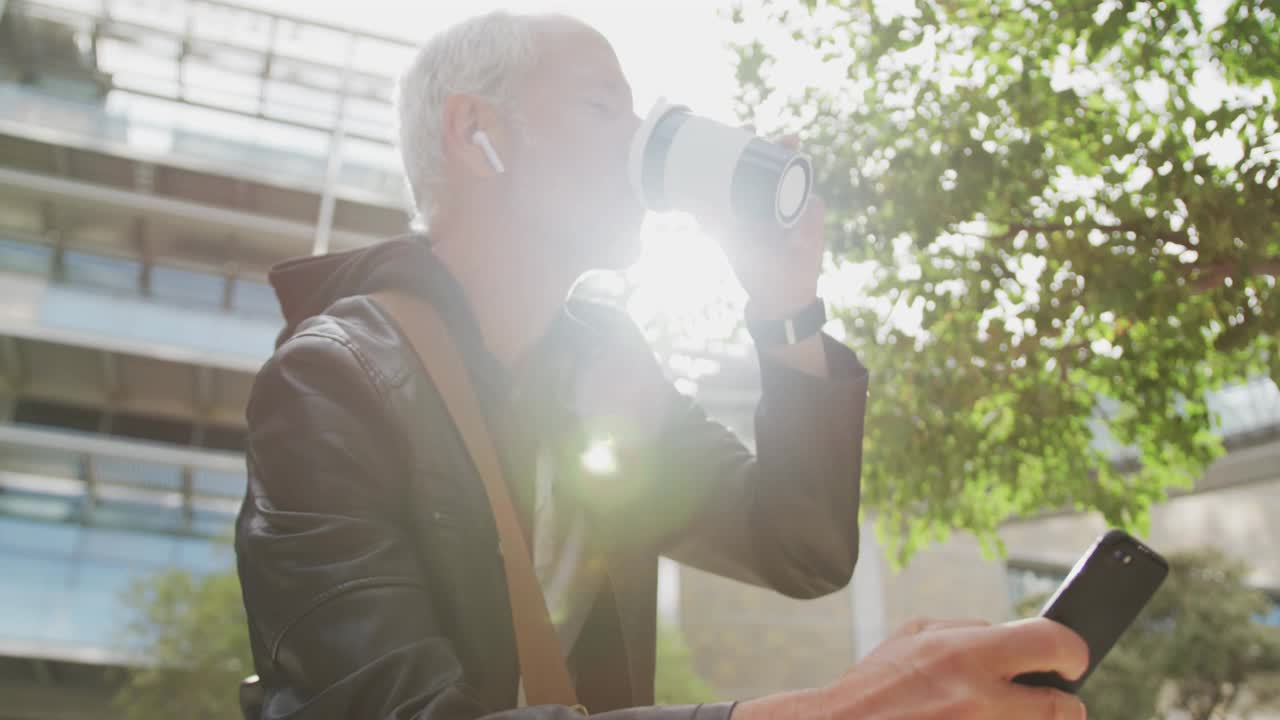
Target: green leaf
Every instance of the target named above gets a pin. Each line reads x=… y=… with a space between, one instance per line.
x=989 y=408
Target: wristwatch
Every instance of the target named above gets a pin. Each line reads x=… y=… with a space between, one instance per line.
x=791 y=329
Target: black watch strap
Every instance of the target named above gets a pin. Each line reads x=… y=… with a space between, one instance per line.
x=789 y=330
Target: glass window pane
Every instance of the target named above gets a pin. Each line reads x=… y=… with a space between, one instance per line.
x=38 y=572
x=164 y=502
x=187 y=287
x=35 y=592
x=219 y=483
x=133 y=472
x=1026 y=583
x=39 y=507
x=17 y=535
x=98 y=612
x=1246 y=408
x=372 y=167
x=138 y=548
x=25 y=257
x=255 y=298
x=101 y=272
x=205 y=555
x=213 y=524
x=133 y=515
x=1272 y=616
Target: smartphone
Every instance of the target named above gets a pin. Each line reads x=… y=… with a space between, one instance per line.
x=1101 y=597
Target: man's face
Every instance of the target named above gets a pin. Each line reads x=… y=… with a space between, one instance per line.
x=570 y=146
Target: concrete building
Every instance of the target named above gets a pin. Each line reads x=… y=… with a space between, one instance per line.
x=155 y=160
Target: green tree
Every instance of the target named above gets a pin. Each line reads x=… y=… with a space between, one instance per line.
x=677 y=681
x=1203 y=625
x=1200 y=638
x=192 y=633
x=1069 y=215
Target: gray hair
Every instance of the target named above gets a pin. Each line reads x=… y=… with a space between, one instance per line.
x=483 y=56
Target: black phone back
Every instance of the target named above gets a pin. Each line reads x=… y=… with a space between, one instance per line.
x=1101 y=597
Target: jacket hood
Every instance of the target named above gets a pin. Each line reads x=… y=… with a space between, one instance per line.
x=307 y=286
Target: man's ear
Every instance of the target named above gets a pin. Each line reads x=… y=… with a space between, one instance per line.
x=464 y=115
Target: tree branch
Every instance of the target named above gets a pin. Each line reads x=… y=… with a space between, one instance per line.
x=1232 y=695
x=1204 y=278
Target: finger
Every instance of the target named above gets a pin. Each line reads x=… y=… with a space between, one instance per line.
x=1039 y=702
x=914 y=626
x=1035 y=645
x=790 y=140
x=810 y=228
x=815 y=214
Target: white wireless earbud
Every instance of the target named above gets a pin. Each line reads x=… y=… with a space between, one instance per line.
x=481 y=138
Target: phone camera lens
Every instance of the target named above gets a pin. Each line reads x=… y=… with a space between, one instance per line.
x=1122 y=557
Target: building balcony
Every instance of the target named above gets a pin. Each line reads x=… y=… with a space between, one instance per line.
x=82 y=516
x=105 y=303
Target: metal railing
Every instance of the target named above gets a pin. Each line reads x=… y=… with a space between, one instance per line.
x=173 y=485
x=237 y=59
x=282 y=70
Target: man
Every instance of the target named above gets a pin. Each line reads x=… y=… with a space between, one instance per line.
x=366 y=550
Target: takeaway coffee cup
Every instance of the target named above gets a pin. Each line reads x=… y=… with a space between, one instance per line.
x=681 y=161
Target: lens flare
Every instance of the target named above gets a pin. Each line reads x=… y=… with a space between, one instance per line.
x=600 y=458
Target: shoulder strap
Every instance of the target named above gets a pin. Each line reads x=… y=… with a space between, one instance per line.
x=542 y=665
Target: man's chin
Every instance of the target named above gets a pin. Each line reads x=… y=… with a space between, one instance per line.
x=605 y=246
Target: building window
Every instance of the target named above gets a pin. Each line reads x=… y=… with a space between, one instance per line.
x=1028 y=582
x=167 y=284
x=63 y=581
x=39 y=506
x=1272 y=616
x=255 y=298
x=186 y=287
x=218 y=483
x=25 y=257
x=110 y=512
x=153 y=476
x=101 y=272
x=212 y=524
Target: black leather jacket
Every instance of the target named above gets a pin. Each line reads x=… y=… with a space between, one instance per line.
x=367 y=553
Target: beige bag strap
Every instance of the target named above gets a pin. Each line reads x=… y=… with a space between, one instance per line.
x=542 y=666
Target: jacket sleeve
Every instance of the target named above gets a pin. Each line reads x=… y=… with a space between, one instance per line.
x=785 y=518
x=336 y=593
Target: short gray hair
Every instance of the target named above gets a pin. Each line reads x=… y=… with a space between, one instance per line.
x=483 y=56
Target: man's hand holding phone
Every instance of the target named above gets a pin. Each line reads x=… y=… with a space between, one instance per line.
x=971 y=670
x=945 y=670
